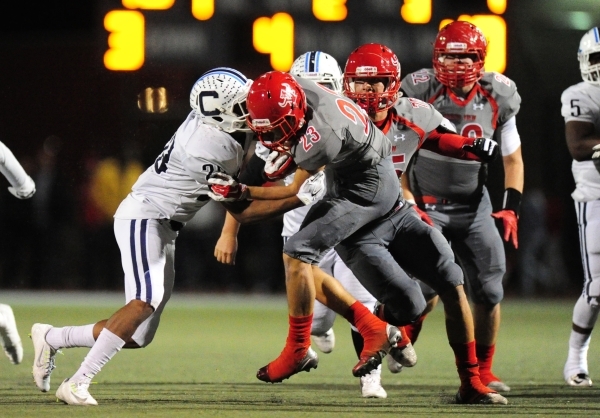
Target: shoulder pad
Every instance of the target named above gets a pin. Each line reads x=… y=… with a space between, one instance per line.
x=498 y=84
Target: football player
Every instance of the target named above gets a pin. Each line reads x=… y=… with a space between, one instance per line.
x=321 y=68
x=22 y=186
x=452 y=193
x=336 y=135
x=372 y=80
x=581 y=111
x=167 y=195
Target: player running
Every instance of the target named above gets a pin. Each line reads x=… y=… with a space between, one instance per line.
x=372 y=79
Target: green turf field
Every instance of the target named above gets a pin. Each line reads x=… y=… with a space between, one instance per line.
x=206 y=353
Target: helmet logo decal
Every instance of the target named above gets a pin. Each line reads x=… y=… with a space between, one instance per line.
x=261 y=123
x=366 y=70
x=200 y=99
x=456 y=47
x=287 y=95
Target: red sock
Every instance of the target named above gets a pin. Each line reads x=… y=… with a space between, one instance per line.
x=296 y=346
x=413 y=330
x=468 y=369
x=362 y=318
x=485 y=356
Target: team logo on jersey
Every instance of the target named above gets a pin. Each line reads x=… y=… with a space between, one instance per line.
x=477 y=106
x=420 y=77
x=400 y=137
x=287 y=95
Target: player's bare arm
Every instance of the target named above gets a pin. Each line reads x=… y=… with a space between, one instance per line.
x=581 y=138
x=514 y=171
x=280 y=192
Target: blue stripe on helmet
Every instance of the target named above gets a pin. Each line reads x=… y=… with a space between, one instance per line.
x=227 y=71
x=311 y=62
x=596 y=37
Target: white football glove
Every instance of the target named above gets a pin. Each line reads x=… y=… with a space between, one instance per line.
x=224 y=188
x=26 y=191
x=278 y=165
x=313 y=188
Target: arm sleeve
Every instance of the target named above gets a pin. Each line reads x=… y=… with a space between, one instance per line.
x=450 y=144
x=509 y=137
x=11 y=168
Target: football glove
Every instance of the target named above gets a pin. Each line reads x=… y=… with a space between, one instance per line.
x=278 y=165
x=423 y=215
x=26 y=191
x=509 y=221
x=484 y=148
x=224 y=188
x=313 y=188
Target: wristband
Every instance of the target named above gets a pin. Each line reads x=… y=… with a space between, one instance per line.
x=512 y=200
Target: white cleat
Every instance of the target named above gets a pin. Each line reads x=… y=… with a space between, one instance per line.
x=579 y=380
x=370 y=385
x=9 y=336
x=325 y=342
x=43 y=360
x=75 y=393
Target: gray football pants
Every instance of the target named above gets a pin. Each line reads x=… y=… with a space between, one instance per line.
x=383 y=255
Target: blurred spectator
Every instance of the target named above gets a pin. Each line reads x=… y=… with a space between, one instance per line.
x=541 y=265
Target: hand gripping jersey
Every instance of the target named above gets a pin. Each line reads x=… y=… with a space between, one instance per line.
x=492 y=102
x=581 y=102
x=339 y=134
x=175 y=187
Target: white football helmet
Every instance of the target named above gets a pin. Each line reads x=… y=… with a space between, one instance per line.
x=590 y=44
x=219 y=99
x=319 y=67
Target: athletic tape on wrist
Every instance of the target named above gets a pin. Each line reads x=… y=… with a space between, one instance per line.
x=512 y=200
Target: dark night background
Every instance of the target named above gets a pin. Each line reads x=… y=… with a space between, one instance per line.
x=57 y=98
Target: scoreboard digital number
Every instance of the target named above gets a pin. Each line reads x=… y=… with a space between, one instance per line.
x=274 y=34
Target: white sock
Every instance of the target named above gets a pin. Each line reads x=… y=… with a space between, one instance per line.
x=106 y=346
x=68 y=337
x=577 y=358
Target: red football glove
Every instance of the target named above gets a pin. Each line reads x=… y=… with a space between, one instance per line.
x=279 y=165
x=224 y=188
x=423 y=215
x=509 y=221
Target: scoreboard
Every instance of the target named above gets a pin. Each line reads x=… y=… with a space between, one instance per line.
x=140 y=34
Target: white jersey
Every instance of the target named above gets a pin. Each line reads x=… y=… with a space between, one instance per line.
x=581 y=102
x=176 y=186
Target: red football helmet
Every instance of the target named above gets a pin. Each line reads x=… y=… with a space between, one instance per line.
x=376 y=62
x=277 y=108
x=459 y=38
